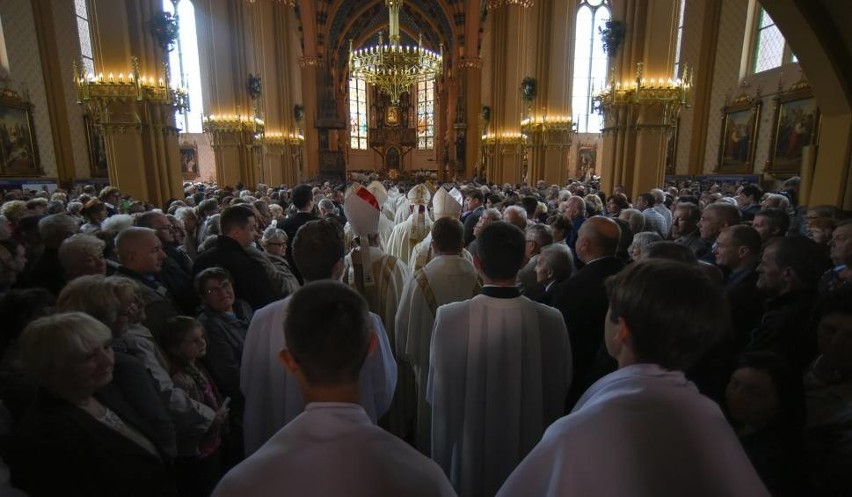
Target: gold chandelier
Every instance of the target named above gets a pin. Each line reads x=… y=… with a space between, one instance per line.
x=394 y=68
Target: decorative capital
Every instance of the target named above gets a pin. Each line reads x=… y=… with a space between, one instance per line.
x=310 y=61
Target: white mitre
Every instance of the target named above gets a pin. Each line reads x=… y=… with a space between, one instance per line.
x=447 y=204
x=362 y=210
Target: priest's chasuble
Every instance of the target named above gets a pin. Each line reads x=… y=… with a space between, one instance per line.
x=499 y=370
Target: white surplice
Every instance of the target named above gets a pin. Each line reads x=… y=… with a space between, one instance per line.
x=333 y=449
x=499 y=372
x=640 y=431
x=272 y=394
x=449 y=278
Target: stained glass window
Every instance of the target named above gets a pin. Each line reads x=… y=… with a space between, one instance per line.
x=357 y=113
x=679 y=42
x=426 y=114
x=590 y=63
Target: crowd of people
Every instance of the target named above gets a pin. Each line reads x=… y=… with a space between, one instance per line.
x=377 y=338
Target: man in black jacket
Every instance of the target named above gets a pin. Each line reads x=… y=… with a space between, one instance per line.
x=582 y=298
x=239 y=227
x=303 y=200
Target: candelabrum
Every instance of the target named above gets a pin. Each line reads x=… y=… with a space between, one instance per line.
x=225 y=130
x=504 y=142
x=668 y=94
x=547 y=131
x=395 y=68
x=98 y=92
x=496 y=4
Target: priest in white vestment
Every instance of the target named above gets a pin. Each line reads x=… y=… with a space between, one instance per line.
x=645 y=430
x=410 y=232
x=332 y=448
x=499 y=371
x=272 y=396
x=448 y=277
x=444 y=204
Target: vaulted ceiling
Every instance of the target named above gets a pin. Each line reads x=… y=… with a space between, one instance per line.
x=440 y=22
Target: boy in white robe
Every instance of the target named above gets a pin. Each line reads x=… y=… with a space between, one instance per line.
x=500 y=367
x=645 y=430
x=448 y=277
x=332 y=448
x=272 y=396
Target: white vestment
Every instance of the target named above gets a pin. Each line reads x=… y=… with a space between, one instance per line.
x=421 y=254
x=641 y=431
x=408 y=234
x=332 y=449
x=445 y=279
x=499 y=372
x=272 y=395
x=389 y=275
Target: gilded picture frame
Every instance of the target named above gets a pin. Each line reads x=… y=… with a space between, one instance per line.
x=795 y=126
x=738 y=139
x=18 y=146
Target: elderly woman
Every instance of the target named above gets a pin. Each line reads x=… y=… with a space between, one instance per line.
x=553 y=265
x=81 y=255
x=93 y=441
x=274 y=243
x=640 y=242
x=183 y=340
x=108 y=301
x=94 y=213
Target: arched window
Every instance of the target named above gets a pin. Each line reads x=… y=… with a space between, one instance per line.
x=679 y=42
x=590 y=63
x=81 y=9
x=184 y=64
x=426 y=114
x=770 y=49
x=357 y=113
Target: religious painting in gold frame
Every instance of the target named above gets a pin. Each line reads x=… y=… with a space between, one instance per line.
x=795 y=126
x=739 y=135
x=189 y=160
x=18 y=149
x=98 y=165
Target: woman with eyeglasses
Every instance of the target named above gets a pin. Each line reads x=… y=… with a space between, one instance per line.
x=274 y=244
x=226 y=320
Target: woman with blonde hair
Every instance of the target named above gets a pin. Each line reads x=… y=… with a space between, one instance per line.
x=80 y=426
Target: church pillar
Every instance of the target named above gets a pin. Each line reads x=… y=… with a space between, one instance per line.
x=272 y=36
x=138 y=124
x=642 y=101
x=233 y=118
x=55 y=71
x=548 y=125
x=505 y=143
x=471 y=73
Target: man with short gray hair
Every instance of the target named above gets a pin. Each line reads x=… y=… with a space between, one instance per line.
x=537 y=236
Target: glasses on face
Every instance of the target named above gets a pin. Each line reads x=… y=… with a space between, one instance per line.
x=275 y=244
x=166 y=228
x=223 y=287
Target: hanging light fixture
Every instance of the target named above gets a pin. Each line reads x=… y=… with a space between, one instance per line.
x=392 y=67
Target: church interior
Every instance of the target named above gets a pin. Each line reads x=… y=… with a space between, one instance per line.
x=148 y=94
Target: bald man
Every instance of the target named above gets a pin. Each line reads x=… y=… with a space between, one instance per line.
x=582 y=298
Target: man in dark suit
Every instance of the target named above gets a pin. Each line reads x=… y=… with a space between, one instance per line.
x=228 y=251
x=473 y=207
x=582 y=299
x=737 y=250
x=303 y=200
